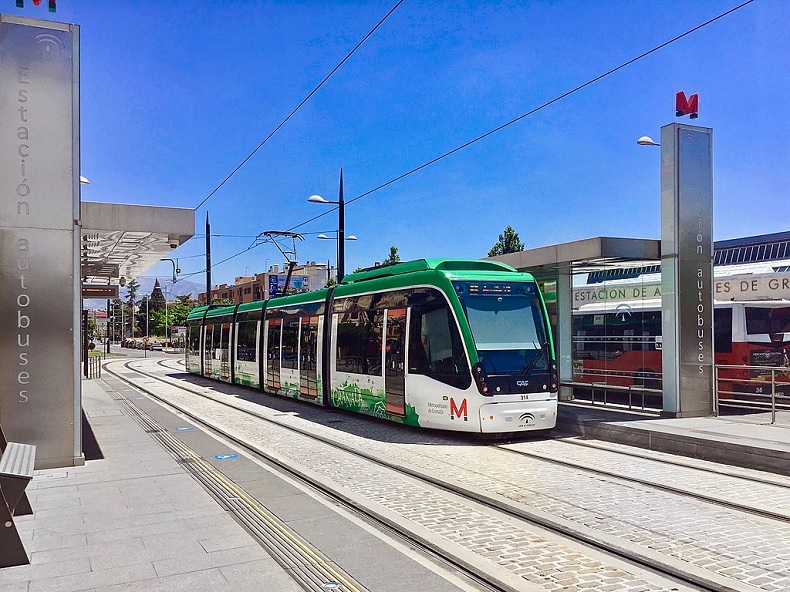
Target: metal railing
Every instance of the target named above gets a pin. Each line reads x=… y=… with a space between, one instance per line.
x=93 y=369
x=736 y=386
x=603 y=392
x=763 y=387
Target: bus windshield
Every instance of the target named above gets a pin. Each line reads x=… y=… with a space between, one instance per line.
x=507 y=325
x=761 y=320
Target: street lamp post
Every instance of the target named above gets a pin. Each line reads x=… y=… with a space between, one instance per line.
x=341 y=227
x=176 y=269
x=350 y=237
x=167 y=321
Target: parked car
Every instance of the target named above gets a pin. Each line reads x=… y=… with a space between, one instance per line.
x=156 y=346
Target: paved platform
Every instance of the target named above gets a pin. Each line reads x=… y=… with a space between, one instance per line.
x=750 y=440
x=136 y=519
x=133 y=518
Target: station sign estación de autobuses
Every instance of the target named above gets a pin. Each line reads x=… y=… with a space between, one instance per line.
x=769 y=286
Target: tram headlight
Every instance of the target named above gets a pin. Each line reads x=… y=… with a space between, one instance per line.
x=554 y=381
x=480 y=376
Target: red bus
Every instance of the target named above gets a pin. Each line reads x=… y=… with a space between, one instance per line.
x=619 y=344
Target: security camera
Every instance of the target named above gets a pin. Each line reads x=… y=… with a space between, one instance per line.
x=173 y=243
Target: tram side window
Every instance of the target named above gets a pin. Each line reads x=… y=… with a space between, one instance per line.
x=224 y=343
x=290 y=347
x=208 y=347
x=722 y=330
x=435 y=348
x=359 y=341
x=273 y=344
x=194 y=338
x=245 y=347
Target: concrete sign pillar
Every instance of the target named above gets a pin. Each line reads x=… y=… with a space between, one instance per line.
x=39 y=238
x=687 y=269
x=564 y=335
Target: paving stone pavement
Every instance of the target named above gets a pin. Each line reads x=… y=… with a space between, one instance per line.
x=134 y=520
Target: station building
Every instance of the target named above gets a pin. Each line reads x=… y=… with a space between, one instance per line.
x=609 y=329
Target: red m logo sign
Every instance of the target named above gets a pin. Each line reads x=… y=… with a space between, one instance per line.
x=688 y=107
x=456 y=411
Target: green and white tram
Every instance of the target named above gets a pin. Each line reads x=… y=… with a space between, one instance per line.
x=460 y=345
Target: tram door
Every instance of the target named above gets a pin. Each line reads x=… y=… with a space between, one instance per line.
x=224 y=351
x=208 y=349
x=273 y=353
x=394 y=382
x=308 y=350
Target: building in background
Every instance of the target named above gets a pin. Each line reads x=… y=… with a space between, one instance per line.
x=262 y=286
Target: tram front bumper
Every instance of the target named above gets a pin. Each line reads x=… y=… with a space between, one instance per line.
x=518 y=416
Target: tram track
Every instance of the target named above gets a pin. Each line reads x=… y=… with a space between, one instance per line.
x=684 y=491
x=666 y=567
x=702 y=466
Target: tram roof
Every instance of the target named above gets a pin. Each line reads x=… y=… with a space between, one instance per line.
x=401 y=268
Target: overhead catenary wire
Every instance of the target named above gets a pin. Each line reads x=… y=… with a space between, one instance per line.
x=531 y=112
x=299 y=106
x=514 y=120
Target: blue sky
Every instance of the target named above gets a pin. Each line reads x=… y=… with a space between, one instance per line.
x=176 y=94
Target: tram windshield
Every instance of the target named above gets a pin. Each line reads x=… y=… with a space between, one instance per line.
x=507 y=324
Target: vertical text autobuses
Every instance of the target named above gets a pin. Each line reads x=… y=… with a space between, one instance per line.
x=449 y=344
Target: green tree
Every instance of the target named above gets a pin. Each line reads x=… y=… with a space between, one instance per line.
x=393 y=256
x=142 y=315
x=92 y=328
x=508 y=243
x=161 y=320
x=187 y=300
x=116 y=330
x=222 y=302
